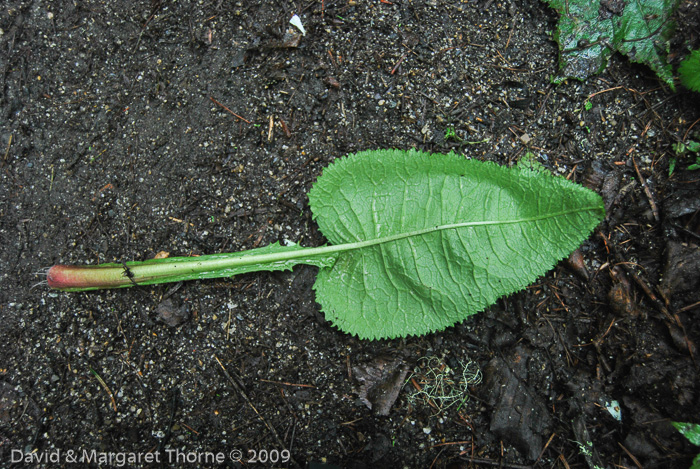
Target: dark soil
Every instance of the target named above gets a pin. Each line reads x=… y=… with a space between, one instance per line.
x=113 y=147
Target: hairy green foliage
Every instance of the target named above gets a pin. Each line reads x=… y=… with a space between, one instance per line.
x=418 y=242
x=689 y=71
x=589 y=32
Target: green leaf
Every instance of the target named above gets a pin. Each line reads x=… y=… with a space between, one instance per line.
x=589 y=32
x=689 y=71
x=457 y=235
x=689 y=430
x=418 y=242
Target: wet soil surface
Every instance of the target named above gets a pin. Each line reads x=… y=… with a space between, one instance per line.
x=131 y=128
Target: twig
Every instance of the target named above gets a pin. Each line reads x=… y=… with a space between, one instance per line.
x=393 y=70
x=106 y=388
x=684 y=136
x=173 y=411
x=284 y=383
x=285 y=129
x=545 y=447
x=606 y=90
x=510 y=35
x=270 y=130
x=230 y=111
x=689 y=307
x=647 y=191
x=7 y=152
x=638 y=280
x=189 y=428
x=544 y=102
x=635 y=460
x=240 y=391
x=562 y=458
x=450 y=443
x=498 y=463
x=436 y=458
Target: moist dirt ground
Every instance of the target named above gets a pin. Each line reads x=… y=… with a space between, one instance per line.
x=131 y=128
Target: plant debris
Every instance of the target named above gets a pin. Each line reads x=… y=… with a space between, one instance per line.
x=382 y=379
x=589 y=32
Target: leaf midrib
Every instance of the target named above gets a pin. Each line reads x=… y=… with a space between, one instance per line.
x=193 y=266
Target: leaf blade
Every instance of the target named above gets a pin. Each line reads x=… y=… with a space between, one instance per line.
x=406 y=286
x=689 y=430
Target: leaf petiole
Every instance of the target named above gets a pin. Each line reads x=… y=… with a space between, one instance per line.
x=274 y=257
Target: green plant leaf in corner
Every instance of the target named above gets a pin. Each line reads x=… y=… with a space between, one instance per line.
x=689 y=71
x=418 y=242
x=589 y=32
x=692 y=432
x=689 y=430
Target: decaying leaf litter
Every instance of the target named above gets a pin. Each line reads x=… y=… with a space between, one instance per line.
x=128 y=155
